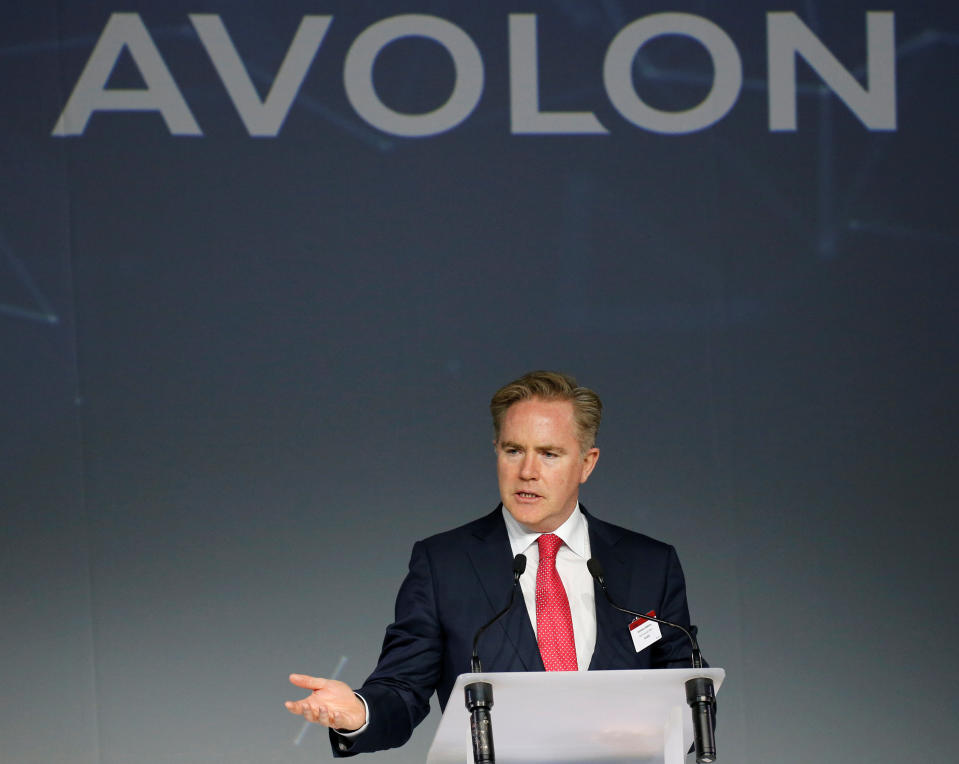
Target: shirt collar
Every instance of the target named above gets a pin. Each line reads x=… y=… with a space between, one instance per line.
x=573 y=532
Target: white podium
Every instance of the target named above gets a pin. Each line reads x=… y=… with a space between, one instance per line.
x=577 y=716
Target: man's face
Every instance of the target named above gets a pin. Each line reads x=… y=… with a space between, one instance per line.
x=539 y=463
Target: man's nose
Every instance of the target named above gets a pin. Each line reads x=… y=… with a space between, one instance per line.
x=527 y=470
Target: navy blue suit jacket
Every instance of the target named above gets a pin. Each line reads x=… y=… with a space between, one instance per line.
x=458 y=580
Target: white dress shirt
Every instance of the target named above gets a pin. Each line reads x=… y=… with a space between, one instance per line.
x=571 y=566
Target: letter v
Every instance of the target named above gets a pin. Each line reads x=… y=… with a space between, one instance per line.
x=262 y=118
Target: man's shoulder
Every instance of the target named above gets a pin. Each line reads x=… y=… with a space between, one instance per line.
x=481 y=528
x=617 y=535
x=481 y=541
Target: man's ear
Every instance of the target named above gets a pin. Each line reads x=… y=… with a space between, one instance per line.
x=589 y=463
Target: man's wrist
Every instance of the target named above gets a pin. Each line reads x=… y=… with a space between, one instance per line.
x=360 y=730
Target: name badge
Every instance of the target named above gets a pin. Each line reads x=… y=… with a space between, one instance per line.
x=644 y=632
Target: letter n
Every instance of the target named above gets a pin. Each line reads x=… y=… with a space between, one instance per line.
x=874 y=106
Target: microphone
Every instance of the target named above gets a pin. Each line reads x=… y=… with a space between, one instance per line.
x=702 y=702
x=479 y=701
x=479 y=695
x=596 y=571
x=699 y=690
x=519 y=567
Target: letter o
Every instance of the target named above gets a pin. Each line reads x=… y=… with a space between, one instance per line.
x=467 y=86
x=618 y=73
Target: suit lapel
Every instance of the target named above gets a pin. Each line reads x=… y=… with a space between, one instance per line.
x=490 y=554
x=614 y=648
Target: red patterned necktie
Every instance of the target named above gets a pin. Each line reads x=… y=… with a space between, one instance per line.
x=554 y=624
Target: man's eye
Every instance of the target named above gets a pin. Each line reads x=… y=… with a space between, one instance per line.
x=550 y=455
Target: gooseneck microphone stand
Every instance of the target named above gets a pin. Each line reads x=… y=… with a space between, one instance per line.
x=700 y=694
x=479 y=695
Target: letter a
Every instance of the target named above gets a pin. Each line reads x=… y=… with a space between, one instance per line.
x=126 y=30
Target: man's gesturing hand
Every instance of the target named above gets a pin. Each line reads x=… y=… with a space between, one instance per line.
x=332 y=703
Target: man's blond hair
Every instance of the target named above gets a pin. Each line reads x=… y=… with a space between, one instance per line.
x=552 y=386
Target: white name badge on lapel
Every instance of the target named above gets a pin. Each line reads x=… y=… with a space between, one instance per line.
x=644 y=632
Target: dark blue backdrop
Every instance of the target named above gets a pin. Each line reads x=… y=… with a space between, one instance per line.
x=241 y=375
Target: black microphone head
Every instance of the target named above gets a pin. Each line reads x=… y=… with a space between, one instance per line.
x=596 y=570
x=519 y=565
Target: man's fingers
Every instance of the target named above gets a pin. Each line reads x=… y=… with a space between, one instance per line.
x=331 y=703
x=308 y=682
x=312 y=712
x=299 y=706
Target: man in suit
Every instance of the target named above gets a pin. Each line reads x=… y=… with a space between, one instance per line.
x=545 y=427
